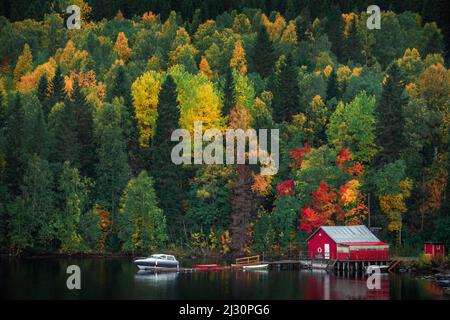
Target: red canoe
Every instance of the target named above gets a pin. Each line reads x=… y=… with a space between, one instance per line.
x=207 y=267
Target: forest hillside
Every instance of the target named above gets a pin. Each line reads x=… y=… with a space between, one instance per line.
x=86 y=117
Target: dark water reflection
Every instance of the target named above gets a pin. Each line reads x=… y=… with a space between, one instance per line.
x=119 y=279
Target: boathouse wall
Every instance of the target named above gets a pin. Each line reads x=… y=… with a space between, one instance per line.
x=317 y=246
x=347 y=243
x=369 y=253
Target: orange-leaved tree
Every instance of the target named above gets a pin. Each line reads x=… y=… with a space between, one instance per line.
x=327 y=184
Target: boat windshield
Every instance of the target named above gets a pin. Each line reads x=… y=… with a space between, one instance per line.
x=158 y=256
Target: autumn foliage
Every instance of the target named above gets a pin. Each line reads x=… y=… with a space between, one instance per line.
x=358 y=112
x=343 y=159
x=261 y=184
x=121 y=47
x=331 y=205
x=286 y=188
x=238 y=61
x=297 y=155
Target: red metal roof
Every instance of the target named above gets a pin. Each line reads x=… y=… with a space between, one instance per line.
x=364 y=243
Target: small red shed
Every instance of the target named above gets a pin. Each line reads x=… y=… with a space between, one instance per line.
x=347 y=243
x=434 y=249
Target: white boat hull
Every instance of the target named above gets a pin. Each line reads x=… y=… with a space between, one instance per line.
x=319 y=265
x=141 y=267
x=256 y=267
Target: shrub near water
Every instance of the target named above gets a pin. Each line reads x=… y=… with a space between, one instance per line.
x=429 y=262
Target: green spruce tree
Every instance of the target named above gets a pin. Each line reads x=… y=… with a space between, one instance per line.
x=290 y=11
x=57 y=87
x=64 y=132
x=84 y=127
x=390 y=120
x=121 y=86
x=169 y=178
x=285 y=90
x=334 y=27
x=112 y=169
x=42 y=94
x=353 y=44
x=35 y=131
x=333 y=87
x=264 y=57
x=14 y=155
x=33 y=212
x=121 y=89
x=229 y=92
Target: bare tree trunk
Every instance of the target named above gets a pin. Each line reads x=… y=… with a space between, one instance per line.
x=242 y=207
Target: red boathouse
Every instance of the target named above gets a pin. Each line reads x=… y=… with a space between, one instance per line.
x=347 y=244
x=434 y=249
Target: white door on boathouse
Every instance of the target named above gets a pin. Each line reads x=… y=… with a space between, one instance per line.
x=327 y=250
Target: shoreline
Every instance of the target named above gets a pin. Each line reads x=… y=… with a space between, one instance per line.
x=439 y=274
x=407 y=266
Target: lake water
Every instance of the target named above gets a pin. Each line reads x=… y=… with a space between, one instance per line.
x=119 y=279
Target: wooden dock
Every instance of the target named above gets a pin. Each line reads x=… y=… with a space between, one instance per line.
x=246 y=261
x=358 y=266
x=324 y=264
x=185 y=270
x=393 y=264
x=290 y=264
x=284 y=264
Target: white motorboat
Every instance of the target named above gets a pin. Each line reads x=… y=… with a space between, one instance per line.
x=157 y=261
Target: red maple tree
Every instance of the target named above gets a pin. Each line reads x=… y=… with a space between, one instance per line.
x=343 y=160
x=344 y=204
x=286 y=188
x=297 y=154
x=310 y=219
